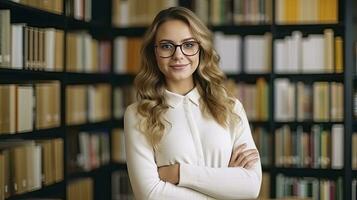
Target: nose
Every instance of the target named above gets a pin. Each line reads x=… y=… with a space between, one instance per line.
x=178 y=53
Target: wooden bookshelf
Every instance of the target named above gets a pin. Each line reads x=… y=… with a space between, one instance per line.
x=100 y=27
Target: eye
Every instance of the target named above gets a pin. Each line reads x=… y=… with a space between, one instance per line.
x=166 y=46
x=189 y=45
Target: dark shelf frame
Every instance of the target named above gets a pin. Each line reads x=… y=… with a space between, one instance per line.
x=39 y=18
x=311 y=172
x=354 y=174
x=56 y=190
x=57 y=132
x=329 y=77
x=249 y=78
x=92 y=173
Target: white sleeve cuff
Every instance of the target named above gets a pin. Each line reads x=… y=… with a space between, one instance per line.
x=188 y=177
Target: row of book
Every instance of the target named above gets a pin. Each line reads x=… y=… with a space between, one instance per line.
x=318 y=148
x=55 y=6
x=26 y=47
x=83 y=188
x=127 y=55
x=136 y=12
x=88 y=150
x=90 y=103
x=79 y=9
x=319 y=101
x=306 y=11
x=315 y=53
x=307 y=187
x=28 y=107
x=28 y=165
x=322 y=53
x=229 y=48
x=85 y=54
x=221 y=12
x=25 y=107
x=42 y=49
x=218 y=12
x=254 y=98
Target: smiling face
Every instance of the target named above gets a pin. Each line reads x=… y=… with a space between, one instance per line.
x=178 y=69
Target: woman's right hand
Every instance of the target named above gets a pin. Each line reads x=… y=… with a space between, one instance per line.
x=242 y=157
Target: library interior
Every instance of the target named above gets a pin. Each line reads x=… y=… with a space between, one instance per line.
x=67 y=70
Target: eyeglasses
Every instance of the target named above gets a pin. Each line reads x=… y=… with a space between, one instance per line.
x=168 y=49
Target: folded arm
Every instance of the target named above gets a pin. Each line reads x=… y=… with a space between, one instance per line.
x=236 y=181
x=143 y=170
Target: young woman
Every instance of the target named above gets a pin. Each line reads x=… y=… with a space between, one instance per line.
x=187 y=137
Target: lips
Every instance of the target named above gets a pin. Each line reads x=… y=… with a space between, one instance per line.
x=178 y=66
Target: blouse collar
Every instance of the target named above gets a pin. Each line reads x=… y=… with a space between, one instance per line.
x=174 y=99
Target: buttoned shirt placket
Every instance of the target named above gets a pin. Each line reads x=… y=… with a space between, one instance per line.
x=194 y=130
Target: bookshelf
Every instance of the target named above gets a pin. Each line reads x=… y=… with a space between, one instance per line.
x=98 y=185
x=100 y=28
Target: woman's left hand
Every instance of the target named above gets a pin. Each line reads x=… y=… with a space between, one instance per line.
x=170 y=173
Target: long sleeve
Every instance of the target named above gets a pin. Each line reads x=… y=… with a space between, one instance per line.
x=227 y=182
x=142 y=167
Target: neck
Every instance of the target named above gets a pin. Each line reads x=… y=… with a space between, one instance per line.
x=181 y=88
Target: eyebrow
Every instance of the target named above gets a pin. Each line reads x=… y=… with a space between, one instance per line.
x=184 y=40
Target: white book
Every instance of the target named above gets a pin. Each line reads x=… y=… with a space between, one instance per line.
x=50 y=37
x=78 y=7
x=313 y=54
x=25 y=100
x=284 y=100
x=337 y=146
x=228 y=48
x=88 y=10
x=295 y=52
x=280 y=57
x=120 y=54
x=118 y=103
x=84 y=156
x=17 y=51
x=124 y=14
x=88 y=64
x=279 y=86
x=257 y=53
x=92 y=115
x=37 y=167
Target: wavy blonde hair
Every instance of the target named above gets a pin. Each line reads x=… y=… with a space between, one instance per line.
x=215 y=100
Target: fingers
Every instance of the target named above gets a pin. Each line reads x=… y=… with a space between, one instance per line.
x=250 y=164
x=236 y=152
x=245 y=159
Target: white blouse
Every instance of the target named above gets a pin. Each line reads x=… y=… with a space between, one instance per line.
x=202 y=148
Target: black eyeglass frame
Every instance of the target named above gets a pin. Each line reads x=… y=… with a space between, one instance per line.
x=180 y=45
